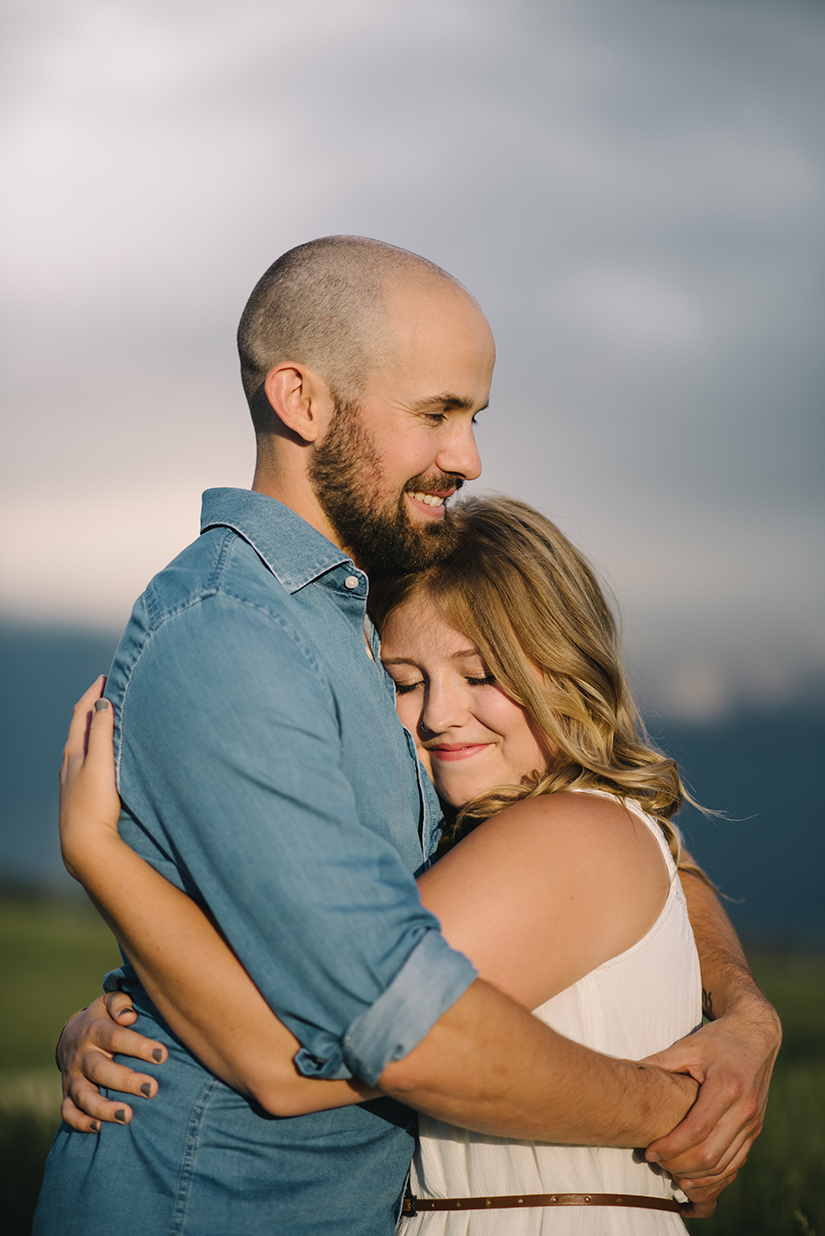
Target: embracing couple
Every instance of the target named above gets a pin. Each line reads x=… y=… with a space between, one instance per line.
x=305 y=980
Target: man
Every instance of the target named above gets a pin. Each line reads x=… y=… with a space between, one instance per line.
x=263 y=770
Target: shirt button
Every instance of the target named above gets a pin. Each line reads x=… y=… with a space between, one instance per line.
x=351 y=581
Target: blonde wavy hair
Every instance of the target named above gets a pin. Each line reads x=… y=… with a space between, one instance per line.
x=532 y=604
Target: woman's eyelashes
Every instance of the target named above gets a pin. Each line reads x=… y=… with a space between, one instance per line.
x=404 y=688
x=482 y=680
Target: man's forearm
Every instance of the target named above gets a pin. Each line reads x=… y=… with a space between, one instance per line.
x=733 y=1056
x=489 y=1066
x=727 y=979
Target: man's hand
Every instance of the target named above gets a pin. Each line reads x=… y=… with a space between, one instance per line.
x=732 y=1059
x=84 y=1056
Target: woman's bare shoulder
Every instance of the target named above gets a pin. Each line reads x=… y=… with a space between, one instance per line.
x=549 y=888
x=569 y=821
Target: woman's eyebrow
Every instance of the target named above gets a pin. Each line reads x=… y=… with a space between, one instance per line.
x=408 y=660
x=455 y=656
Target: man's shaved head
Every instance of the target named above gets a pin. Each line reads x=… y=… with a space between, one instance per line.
x=324 y=305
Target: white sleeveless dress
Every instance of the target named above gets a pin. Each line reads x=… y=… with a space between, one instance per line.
x=635 y=1004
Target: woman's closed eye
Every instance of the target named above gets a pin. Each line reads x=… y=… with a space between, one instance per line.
x=486 y=680
x=404 y=688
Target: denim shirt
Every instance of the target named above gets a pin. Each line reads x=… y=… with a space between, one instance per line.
x=264 y=771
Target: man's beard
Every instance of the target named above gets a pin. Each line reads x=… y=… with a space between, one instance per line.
x=345 y=472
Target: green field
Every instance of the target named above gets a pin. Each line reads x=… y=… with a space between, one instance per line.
x=52 y=956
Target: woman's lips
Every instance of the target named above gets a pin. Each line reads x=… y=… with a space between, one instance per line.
x=454 y=751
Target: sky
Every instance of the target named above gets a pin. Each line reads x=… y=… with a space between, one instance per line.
x=633 y=190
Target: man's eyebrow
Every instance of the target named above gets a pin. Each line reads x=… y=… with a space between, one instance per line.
x=447 y=402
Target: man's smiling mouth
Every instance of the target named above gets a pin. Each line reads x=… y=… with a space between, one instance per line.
x=430 y=499
x=436 y=500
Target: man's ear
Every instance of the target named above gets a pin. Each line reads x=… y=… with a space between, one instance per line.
x=301 y=400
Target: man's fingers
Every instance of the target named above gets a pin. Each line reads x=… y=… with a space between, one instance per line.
x=719 y=1155
x=703 y=1199
x=684 y=1140
x=708 y=1168
x=699 y=1210
x=680 y=1057
x=719 y=1110
x=89 y=1102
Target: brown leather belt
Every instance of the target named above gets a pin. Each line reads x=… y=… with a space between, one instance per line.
x=416 y=1205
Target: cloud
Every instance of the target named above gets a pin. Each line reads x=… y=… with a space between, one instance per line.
x=633 y=191
x=627 y=308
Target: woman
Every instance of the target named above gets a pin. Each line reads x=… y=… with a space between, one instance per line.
x=563 y=890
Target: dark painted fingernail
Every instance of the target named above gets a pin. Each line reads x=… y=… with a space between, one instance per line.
x=157 y=1054
x=95 y=1126
x=120 y=1115
x=146 y=1089
x=101 y=705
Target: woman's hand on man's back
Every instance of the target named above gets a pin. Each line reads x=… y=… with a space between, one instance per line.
x=85 y=1054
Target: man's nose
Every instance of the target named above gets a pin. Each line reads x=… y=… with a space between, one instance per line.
x=459 y=454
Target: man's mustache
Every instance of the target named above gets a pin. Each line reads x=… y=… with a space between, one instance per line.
x=433 y=484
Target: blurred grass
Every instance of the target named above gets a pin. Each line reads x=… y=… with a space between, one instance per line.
x=781 y=1191
x=53 y=954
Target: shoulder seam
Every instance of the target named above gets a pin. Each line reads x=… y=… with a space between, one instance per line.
x=197 y=599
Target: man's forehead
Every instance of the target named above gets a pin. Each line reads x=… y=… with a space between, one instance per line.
x=439 y=349
x=408 y=300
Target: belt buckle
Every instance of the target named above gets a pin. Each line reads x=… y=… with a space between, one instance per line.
x=409 y=1207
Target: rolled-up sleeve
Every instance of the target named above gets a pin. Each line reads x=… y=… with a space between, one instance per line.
x=234 y=785
x=426 y=985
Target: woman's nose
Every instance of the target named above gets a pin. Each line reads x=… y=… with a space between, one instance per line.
x=444 y=708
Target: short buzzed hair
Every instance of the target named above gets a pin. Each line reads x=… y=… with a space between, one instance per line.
x=323 y=304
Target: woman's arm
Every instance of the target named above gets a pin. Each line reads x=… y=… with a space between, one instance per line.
x=478 y=889
x=189 y=971
x=578 y=870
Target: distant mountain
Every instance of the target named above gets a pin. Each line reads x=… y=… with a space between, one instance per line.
x=761 y=768
x=43 y=671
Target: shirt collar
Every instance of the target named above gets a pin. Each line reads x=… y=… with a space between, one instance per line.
x=294 y=551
